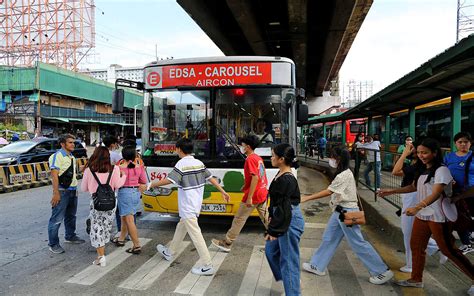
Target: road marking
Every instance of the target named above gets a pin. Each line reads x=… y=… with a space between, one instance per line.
x=362 y=277
x=315 y=225
x=434 y=282
x=312 y=284
x=197 y=285
x=149 y=272
x=93 y=273
x=258 y=276
x=159 y=217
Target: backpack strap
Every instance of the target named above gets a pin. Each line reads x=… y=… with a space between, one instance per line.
x=96 y=178
x=466 y=170
x=110 y=176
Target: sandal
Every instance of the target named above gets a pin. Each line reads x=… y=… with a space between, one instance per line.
x=134 y=250
x=117 y=242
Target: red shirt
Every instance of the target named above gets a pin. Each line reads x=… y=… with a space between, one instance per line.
x=254 y=166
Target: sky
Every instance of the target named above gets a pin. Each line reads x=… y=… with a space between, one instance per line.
x=396 y=37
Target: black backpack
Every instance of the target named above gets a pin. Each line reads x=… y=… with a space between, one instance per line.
x=104 y=197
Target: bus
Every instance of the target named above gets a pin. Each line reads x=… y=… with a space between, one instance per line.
x=334 y=131
x=215 y=102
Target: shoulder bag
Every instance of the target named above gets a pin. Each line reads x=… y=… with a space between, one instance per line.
x=355 y=218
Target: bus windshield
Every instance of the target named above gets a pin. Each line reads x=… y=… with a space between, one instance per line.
x=262 y=112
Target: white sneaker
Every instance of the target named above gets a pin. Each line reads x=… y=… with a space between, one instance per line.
x=442 y=258
x=467 y=249
x=165 y=252
x=405 y=269
x=470 y=292
x=203 y=270
x=313 y=269
x=381 y=278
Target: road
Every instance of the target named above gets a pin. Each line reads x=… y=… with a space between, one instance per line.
x=28 y=268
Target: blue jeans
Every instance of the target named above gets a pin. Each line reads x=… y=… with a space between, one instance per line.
x=333 y=234
x=65 y=210
x=283 y=254
x=370 y=167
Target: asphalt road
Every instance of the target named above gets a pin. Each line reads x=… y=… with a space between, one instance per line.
x=28 y=268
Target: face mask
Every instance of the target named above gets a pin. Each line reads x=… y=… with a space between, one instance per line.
x=242 y=149
x=333 y=163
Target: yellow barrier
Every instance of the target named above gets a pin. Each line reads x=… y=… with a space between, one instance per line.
x=22 y=175
x=4 y=178
x=43 y=173
x=80 y=165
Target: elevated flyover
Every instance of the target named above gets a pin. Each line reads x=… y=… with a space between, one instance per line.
x=316 y=35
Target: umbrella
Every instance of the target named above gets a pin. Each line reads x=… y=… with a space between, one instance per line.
x=3 y=141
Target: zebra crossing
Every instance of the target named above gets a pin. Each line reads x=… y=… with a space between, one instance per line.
x=257 y=277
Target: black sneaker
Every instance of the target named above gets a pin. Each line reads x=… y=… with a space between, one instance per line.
x=75 y=240
x=56 y=249
x=88 y=226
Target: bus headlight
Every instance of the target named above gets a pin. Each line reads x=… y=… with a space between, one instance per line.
x=158 y=191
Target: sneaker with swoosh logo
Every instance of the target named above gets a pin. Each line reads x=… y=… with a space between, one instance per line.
x=203 y=270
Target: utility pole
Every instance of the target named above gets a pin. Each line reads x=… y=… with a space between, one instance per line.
x=156 y=52
x=464 y=19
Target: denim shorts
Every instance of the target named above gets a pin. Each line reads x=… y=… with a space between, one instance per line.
x=128 y=200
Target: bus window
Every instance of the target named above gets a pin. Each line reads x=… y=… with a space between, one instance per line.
x=179 y=114
x=260 y=111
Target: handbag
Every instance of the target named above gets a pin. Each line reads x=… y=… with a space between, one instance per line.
x=354 y=218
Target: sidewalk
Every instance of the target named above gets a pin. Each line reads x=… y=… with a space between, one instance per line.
x=382 y=215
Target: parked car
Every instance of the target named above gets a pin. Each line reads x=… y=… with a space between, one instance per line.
x=36 y=150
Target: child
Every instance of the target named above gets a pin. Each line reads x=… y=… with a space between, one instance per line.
x=190 y=175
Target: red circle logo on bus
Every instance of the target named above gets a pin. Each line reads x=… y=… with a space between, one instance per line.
x=153 y=78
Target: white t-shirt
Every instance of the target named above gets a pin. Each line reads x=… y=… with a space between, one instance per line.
x=374 y=145
x=344 y=191
x=115 y=156
x=190 y=175
x=442 y=176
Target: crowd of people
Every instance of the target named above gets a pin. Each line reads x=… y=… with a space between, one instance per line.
x=432 y=190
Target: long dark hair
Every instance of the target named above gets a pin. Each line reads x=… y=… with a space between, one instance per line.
x=434 y=146
x=342 y=154
x=287 y=152
x=129 y=153
x=100 y=161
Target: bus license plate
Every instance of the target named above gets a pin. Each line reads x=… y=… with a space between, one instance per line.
x=217 y=208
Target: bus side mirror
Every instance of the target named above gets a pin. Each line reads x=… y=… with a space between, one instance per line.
x=117 y=101
x=302 y=112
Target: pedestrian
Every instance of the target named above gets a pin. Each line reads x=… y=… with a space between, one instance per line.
x=343 y=194
x=190 y=175
x=255 y=194
x=373 y=157
x=64 y=200
x=286 y=223
x=430 y=218
x=322 y=142
x=357 y=154
x=99 y=167
x=457 y=163
x=129 y=198
x=401 y=148
x=408 y=172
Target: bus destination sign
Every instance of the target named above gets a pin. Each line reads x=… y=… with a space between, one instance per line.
x=211 y=75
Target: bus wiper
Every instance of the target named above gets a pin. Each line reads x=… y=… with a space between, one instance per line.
x=229 y=139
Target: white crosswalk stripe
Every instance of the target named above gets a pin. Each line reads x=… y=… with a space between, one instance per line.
x=315 y=225
x=363 y=278
x=197 y=285
x=312 y=284
x=93 y=273
x=258 y=276
x=149 y=272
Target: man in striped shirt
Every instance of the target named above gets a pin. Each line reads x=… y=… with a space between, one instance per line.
x=190 y=175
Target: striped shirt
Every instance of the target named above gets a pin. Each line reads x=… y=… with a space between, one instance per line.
x=190 y=175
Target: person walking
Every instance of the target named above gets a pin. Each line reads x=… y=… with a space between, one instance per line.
x=430 y=218
x=343 y=194
x=129 y=198
x=408 y=172
x=373 y=157
x=255 y=194
x=190 y=175
x=64 y=200
x=457 y=163
x=99 y=167
x=286 y=221
x=357 y=154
